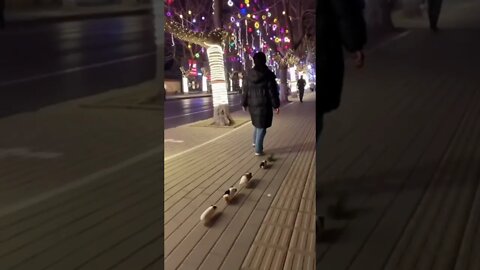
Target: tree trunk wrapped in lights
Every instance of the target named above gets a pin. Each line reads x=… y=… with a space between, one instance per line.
x=285 y=61
x=213 y=42
x=205 y=73
x=185 y=72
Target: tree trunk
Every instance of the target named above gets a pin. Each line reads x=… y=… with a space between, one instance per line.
x=221 y=113
x=217 y=16
x=282 y=72
x=160 y=43
x=216 y=61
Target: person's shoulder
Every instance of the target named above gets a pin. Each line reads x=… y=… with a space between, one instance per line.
x=271 y=74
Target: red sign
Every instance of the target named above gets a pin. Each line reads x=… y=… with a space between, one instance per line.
x=193 y=67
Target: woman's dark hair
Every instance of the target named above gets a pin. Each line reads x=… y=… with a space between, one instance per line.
x=259 y=59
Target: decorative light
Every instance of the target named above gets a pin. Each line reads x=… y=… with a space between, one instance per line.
x=189 y=12
x=232 y=19
x=257 y=25
x=269 y=14
x=185 y=84
x=237 y=24
x=194 y=20
x=219 y=87
x=283 y=12
x=204 y=83
x=293 y=78
x=275 y=20
x=264 y=17
x=181 y=16
x=203 y=18
x=230 y=3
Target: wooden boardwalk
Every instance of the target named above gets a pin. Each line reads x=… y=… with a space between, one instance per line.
x=399 y=166
x=274 y=219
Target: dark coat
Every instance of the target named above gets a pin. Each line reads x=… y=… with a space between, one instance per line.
x=340 y=24
x=301 y=84
x=260 y=95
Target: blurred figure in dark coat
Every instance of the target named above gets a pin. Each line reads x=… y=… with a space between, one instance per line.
x=434 y=8
x=340 y=25
x=2 y=14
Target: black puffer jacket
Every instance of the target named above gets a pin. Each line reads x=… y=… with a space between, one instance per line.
x=260 y=95
x=340 y=24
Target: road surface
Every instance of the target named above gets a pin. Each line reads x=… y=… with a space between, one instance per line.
x=45 y=64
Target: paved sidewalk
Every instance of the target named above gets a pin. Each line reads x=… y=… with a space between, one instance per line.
x=275 y=217
x=79 y=187
x=399 y=161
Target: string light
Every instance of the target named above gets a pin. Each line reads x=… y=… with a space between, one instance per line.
x=238 y=47
x=217 y=75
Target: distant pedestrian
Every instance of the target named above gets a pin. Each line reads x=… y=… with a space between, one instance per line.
x=340 y=25
x=434 y=9
x=2 y=14
x=260 y=95
x=301 y=83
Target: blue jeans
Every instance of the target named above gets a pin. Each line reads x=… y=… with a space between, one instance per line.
x=258 y=136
